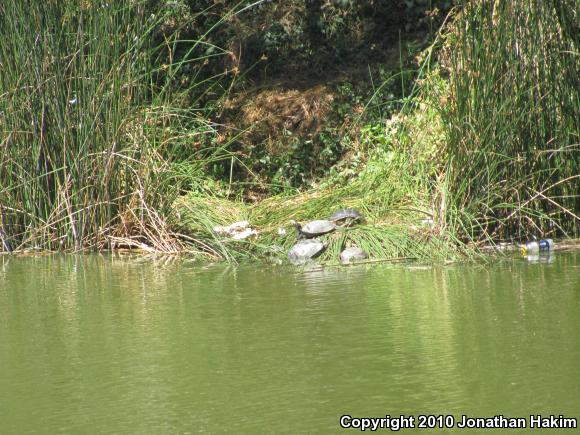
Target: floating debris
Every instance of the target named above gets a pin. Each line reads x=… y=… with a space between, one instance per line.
x=538 y=246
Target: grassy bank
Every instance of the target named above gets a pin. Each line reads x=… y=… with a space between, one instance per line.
x=486 y=146
x=397 y=186
x=132 y=140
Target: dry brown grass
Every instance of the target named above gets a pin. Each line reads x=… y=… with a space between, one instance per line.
x=266 y=113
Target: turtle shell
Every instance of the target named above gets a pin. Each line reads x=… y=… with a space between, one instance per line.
x=303 y=251
x=346 y=216
x=317 y=228
x=352 y=254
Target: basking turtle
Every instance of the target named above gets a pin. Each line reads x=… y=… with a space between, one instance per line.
x=346 y=217
x=304 y=250
x=352 y=254
x=313 y=228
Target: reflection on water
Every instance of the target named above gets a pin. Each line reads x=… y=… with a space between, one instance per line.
x=119 y=344
x=541 y=258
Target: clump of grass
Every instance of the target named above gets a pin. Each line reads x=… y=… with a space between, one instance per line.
x=389 y=242
x=389 y=237
x=512 y=120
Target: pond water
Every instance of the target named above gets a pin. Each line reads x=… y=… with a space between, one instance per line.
x=130 y=345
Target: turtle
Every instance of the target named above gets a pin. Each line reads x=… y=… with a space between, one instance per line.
x=304 y=250
x=314 y=228
x=352 y=254
x=346 y=217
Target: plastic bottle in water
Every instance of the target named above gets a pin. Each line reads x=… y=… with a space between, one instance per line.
x=538 y=246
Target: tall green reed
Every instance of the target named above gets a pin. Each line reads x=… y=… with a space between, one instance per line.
x=71 y=158
x=513 y=120
x=88 y=125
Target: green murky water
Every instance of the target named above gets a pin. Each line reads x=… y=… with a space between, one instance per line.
x=119 y=345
